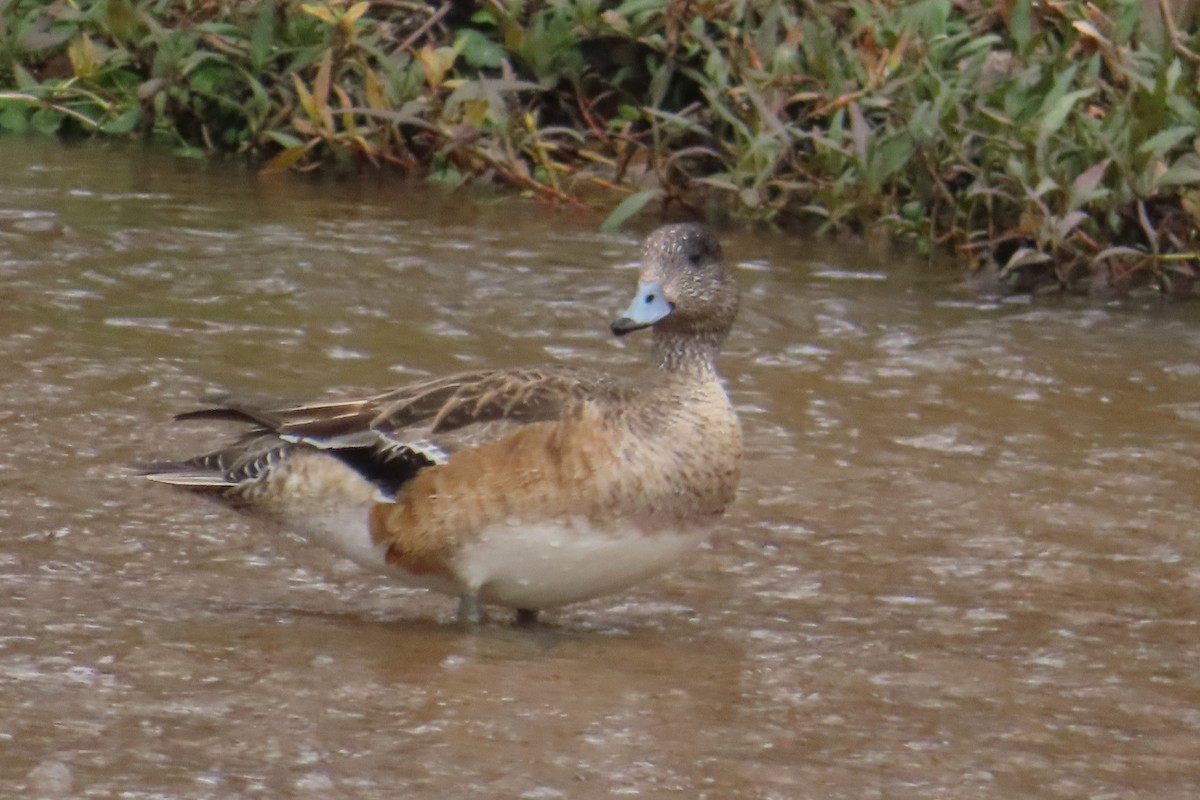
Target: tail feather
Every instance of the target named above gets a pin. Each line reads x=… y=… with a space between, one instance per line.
x=336 y=424
x=246 y=461
x=224 y=414
x=338 y=430
x=191 y=480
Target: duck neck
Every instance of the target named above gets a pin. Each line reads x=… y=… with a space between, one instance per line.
x=688 y=353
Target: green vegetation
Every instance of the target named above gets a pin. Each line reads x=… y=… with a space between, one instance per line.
x=1057 y=142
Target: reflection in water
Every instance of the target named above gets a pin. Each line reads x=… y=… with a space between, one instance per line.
x=963 y=562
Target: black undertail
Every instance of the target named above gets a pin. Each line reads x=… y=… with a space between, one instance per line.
x=256 y=454
x=388 y=469
x=273 y=438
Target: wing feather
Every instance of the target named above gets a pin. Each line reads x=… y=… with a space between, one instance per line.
x=442 y=405
x=389 y=437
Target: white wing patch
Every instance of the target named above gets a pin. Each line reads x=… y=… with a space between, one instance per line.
x=425 y=448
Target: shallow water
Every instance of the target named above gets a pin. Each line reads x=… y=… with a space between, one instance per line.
x=963 y=562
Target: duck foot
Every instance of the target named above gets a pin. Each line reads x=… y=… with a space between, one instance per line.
x=526 y=617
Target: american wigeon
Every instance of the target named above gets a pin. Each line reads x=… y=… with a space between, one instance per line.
x=526 y=488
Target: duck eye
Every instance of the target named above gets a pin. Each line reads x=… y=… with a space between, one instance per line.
x=650 y=298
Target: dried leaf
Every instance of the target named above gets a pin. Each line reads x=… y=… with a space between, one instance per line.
x=353 y=13
x=1110 y=252
x=374 y=90
x=347 y=117
x=305 y=98
x=1064 y=226
x=860 y=131
x=288 y=158
x=1147 y=228
x=1024 y=257
x=320 y=12
x=83 y=56
x=436 y=63
x=1083 y=188
x=320 y=92
x=1090 y=31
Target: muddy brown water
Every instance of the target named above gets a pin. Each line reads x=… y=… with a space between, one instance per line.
x=962 y=564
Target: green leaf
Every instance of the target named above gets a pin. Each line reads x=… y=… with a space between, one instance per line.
x=262 y=38
x=927 y=16
x=1058 y=89
x=13 y=117
x=121 y=19
x=923 y=123
x=1044 y=187
x=1020 y=24
x=629 y=113
x=1185 y=170
x=1057 y=115
x=1053 y=119
x=633 y=7
x=283 y=139
x=123 y=123
x=1182 y=106
x=46 y=120
x=447 y=176
x=660 y=82
x=1163 y=141
x=716 y=67
x=24 y=81
x=628 y=208
x=683 y=123
x=478 y=50
x=890 y=157
x=1173 y=74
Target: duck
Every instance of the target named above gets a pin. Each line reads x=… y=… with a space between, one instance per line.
x=528 y=488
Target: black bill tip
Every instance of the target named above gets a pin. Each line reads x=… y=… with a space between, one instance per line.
x=625 y=325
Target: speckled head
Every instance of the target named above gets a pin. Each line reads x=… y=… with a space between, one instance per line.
x=684 y=286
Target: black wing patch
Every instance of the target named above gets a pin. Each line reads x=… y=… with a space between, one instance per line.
x=388 y=468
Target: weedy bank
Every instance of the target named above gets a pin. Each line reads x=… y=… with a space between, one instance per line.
x=1051 y=143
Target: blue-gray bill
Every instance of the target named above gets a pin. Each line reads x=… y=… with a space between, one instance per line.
x=648 y=307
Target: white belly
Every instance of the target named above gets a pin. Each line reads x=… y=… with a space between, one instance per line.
x=542 y=565
x=347 y=532
x=520 y=565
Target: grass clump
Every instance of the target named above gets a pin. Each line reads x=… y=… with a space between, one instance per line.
x=1052 y=143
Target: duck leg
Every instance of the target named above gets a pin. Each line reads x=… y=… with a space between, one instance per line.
x=470 y=612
